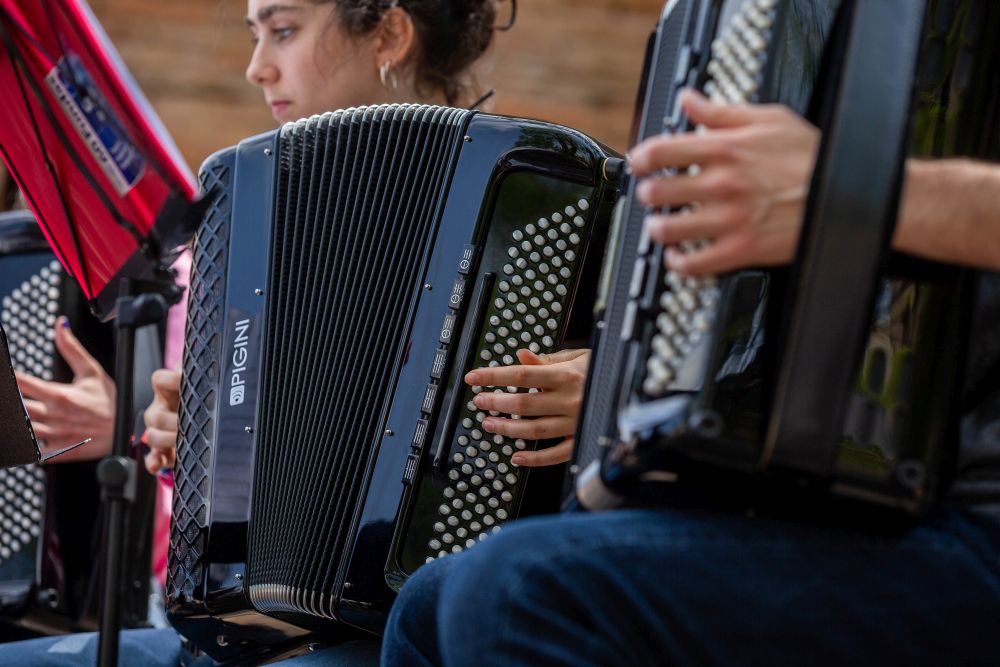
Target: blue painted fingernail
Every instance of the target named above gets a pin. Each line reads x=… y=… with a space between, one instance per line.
x=64 y=322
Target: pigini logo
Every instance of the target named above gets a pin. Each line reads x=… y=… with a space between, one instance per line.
x=96 y=124
x=237 y=377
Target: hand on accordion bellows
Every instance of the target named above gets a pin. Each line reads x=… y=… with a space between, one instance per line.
x=554 y=408
x=161 y=420
x=753 y=169
x=63 y=414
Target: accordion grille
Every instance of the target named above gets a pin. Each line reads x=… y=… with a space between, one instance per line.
x=199 y=391
x=357 y=195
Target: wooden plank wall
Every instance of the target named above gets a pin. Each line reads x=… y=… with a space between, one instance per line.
x=575 y=62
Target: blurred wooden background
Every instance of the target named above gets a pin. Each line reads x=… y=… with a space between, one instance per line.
x=575 y=62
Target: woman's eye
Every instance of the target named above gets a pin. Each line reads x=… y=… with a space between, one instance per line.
x=281 y=34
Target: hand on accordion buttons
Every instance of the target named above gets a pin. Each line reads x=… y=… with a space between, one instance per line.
x=63 y=414
x=554 y=408
x=754 y=164
x=161 y=420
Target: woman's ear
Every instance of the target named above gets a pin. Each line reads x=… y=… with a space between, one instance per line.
x=395 y=38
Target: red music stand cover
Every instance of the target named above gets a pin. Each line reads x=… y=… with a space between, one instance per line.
x=94 y=162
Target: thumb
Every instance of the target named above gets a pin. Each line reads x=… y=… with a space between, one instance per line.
x=71 y=349
x=716 y=116
x=562 y=356
x=167 y=384
x=529 y=358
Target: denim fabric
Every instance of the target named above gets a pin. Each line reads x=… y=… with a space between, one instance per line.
x=149 y=648
x=707 y=588
x=159 y=648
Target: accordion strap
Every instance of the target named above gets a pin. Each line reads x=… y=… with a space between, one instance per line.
x=850 y=216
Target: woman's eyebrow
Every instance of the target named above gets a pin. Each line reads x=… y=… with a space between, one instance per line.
x=270 y=10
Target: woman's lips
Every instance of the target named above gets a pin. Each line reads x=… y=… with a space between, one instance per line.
x=279 y=106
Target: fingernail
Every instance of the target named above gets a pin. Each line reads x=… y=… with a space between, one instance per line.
x=472 y=377
x=488 y=424
x=517 y=459
x=479 y=400
x=642 y=190
x=64 y=322
x=674 y=259
x=692 y=98
x=628 y=164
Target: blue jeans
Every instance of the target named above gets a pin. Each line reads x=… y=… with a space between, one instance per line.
x=640 y=588
x=158 y=648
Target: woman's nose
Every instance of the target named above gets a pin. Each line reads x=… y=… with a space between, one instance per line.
x=260 y=70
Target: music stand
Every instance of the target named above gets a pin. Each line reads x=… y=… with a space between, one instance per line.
x=113 y=198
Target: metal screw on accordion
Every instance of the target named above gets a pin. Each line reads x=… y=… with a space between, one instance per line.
x=574 y=469
x=911 y=474
x=389 y=432
x=348 y=585
x=248 y=429
x=259 y=292
x=222 y=640
x=706 y=423
x=467 y=138
x=428 y=287
x=267 y=151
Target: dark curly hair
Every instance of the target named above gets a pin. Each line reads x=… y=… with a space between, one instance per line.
x=451 y=36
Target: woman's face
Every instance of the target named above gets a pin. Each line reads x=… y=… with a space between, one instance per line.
x=305 y=63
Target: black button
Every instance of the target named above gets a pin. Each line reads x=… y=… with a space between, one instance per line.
x=440 y=359
x=419 y=435
x=457 y=292
x=429 y=396
x=465 y=264
x=447 y=328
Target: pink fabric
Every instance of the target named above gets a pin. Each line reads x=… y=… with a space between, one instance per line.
x=172 y=354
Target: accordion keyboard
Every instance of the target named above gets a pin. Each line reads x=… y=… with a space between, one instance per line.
x=685 y=307
x=28 y=315
x=528 y=307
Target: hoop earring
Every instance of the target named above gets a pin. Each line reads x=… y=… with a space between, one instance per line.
x=387 y=76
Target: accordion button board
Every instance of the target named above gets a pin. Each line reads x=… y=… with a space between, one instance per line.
x=522 y=305
x=28 y=315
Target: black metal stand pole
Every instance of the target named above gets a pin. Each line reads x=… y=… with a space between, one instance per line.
x=117 y=472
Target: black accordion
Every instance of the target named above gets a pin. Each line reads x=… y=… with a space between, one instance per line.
x=840 y=374
x=50 y=516
x=353 y=268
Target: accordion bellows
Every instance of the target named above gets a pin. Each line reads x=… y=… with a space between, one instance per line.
x=353 y=267
x=335 y=330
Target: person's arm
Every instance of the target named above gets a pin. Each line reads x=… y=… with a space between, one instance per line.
x=951 y=212
x=755 y=164
x=551 y=411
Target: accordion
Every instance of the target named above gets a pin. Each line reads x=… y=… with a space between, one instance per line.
x=840 y=374
x=353 y=267
x=50 y=525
